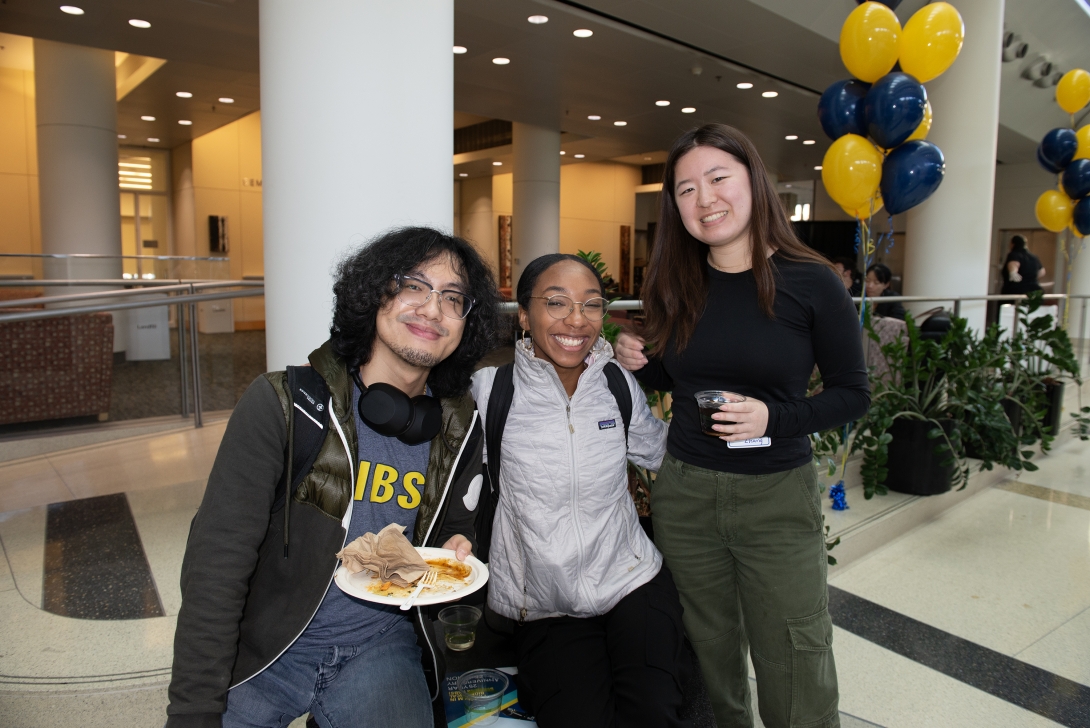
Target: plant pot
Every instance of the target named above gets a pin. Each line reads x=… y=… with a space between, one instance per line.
x=1054 y=395
x=913 y=465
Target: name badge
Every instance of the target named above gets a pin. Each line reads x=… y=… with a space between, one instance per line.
x=754 y=442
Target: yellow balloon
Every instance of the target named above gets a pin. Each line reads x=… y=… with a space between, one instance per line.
x=931 y=41
x=1083 y=151
x=1054 y=210
x=869 y=41
x=868 y=209
x=1073 y=91
x=925 y=125
x=851 y=171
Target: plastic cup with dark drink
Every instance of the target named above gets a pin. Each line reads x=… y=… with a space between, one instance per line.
x=709 y=401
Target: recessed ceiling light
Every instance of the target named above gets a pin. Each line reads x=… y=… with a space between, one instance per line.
x=562 y=152
x=462 y=174
x=620 y=123
x=122 y=136
x=791 y=137
x=71 y=10
x=459 y=49
x=137 y=23
x=745 y=84
x=688 y=110
x=808 y=142
x=497 y=164
x=647 y=159
x=664 y=102
x=580 y=156
x=183 y=95
x=817 y=168
x=770 y=94
x=594 y=117
x=185 y=122
x=538 y=19
x=583 y=33
x=501 y=61
x=153 y=139
x=226 y=100
x=147 y=118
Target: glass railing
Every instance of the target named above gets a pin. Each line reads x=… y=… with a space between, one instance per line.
x=87 y=266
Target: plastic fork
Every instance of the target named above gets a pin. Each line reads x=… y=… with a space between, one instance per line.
x=426 y=582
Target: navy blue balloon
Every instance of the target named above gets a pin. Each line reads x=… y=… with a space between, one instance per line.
x=1076 y=179
x=910 y=174
x=1057 y=149
x=891 y=4
x=840 y=109
x=894 y=108
x=1082 y=216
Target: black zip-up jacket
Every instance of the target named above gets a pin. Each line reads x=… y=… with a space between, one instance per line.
x=243 y=601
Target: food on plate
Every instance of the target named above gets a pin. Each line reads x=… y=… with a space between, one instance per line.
x=453 y=575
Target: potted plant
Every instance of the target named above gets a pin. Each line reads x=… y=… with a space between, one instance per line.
x=943 y=397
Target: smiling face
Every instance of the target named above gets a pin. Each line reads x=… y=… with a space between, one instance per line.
x=714 y=196
x=564 y=342
x=421 y=336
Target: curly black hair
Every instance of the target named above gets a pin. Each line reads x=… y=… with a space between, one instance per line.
x=364 y=285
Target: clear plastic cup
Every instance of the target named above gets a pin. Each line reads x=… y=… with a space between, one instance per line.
x=460 y=626
x=709 y=402
x=482 y=694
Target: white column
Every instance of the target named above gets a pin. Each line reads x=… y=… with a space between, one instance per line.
x=948 y=237
x=478 y=225
x=535 y=195
x=76 y=109
x=357 y=100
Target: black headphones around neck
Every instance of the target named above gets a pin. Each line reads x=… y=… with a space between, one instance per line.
x=392 y=413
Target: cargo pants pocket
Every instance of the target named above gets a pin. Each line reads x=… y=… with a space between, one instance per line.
x=814 y=695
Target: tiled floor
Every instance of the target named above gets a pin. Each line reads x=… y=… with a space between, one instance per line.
x=1008 y=570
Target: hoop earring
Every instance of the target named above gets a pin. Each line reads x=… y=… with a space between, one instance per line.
x=524 y=336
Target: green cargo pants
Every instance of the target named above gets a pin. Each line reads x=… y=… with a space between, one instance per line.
x=748 y=557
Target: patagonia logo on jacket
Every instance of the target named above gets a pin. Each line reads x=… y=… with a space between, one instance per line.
x=607 y=424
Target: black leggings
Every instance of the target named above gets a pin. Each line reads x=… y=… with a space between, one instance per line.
x=620 y=670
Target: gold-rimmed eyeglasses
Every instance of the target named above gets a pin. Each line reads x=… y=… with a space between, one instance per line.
x=560 y=307
x=415 y=292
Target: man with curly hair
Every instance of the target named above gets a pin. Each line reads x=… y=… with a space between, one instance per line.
x=263 y=637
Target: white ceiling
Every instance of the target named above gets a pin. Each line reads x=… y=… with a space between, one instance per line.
x=642 y=50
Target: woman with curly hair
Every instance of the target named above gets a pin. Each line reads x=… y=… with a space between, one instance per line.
x=734 y=301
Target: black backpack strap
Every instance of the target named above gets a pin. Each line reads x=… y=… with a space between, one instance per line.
x=618 y=386
x=499 y=404
x=308 y=421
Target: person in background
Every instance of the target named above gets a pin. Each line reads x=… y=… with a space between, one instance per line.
x=599 y=633
x=1021 y=269
x=735 y=301
x=878 y=282
x=849 y=275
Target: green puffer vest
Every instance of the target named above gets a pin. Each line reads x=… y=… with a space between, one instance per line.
x=329 y=486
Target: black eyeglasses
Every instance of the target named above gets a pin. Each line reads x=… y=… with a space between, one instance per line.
x=560 y=307
x=415 y=292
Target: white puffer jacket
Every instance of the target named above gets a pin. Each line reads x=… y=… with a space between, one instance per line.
x=566 y=539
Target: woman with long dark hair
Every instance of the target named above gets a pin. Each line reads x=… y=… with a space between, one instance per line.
x=734 y=301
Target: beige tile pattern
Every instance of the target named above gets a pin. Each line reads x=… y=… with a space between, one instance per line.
x=31 y=483
x=1047 y=494
x=22 y=535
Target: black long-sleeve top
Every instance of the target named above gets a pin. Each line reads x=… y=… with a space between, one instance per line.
x=736 y=347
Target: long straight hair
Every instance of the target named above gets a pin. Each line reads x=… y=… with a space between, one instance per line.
x=675 y=291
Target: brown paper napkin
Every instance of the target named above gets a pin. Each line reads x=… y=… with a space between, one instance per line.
x=388 y=554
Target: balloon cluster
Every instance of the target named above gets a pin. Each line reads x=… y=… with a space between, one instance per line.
x=1066 y=153
x=896 y=167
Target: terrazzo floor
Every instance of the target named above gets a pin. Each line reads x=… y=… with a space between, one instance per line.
x=998 y=585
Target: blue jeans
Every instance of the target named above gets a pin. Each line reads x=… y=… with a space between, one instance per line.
x=379 y=683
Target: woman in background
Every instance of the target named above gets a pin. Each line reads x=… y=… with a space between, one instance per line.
x=878 y=282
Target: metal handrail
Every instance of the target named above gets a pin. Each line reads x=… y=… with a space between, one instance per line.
x=154 y=291
x=186 y=297
x=45 y=282
x=113 y=257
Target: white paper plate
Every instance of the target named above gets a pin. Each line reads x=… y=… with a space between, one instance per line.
x=357 y=584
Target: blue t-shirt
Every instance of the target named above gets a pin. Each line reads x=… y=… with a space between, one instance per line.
x=389 y=488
